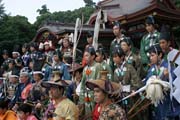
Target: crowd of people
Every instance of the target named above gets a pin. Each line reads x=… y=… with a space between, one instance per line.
x=45 y=83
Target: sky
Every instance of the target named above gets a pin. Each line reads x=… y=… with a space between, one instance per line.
x=28 y=8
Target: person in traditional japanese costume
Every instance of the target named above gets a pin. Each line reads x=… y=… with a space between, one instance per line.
x=23 y=88
x=24 y=112
x=12 y=84
x=66 y=44
x=104 y=89
x=90 y=72
x=90 y=42
x=17 y=57
x=38 y=94
x=159 y=68
x=126 y=75
x=4 y=65
x=65 y=109
x=173 y=111
x=36 y=56
x=5 y=112
x=131 y=57
x=58 y=63
x=48 y=51
x=26 y=55
x=101 y=58
x=73 y=90
x=46 y=69
x=165 y=41
x=151 y=38
x=117 y=30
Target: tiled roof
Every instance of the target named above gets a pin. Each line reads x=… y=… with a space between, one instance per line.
x=116 y=9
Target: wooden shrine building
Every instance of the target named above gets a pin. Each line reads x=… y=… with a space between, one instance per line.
x=131 y=14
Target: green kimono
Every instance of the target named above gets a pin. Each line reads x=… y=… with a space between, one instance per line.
x=135 y=61
x=147 y=41
x=130 y=82
x=127 y=76
x=105 y=66
x=84 y=91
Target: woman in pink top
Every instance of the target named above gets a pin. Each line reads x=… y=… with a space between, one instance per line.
x=24 y=112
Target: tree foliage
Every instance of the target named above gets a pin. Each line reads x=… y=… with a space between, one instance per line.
x=43 y=10
x=177 y=3
x=2 y=11
x=15 y=30
x=65 y=16
x=89 y=3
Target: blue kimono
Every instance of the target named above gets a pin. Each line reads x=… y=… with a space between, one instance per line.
x=159 y=112
x=152 y=71
x=47 y=70
x=71 y=90
x=64 y=69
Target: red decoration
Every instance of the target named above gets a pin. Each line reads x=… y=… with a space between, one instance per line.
x=88 y=72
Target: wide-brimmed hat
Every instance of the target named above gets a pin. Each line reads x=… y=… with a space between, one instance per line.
x=48 y=84
x=56 y=81
x=104 y=84
x=75 y=67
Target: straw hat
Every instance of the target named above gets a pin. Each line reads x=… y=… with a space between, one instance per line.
x=48 y=84
x=104 y=84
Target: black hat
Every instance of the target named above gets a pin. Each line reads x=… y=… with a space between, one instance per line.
x=89 y=34
x=91 y=50
x=117 y=50
x=100 y=50
x=155 y=49
x=58 y=53
x=5 y=52
x=11 y=61
x=34 y=44
x=127 y=40
x=150 y=20
x=37 y=70
x=25 y=45
x=116 y=23
x=165 y=34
